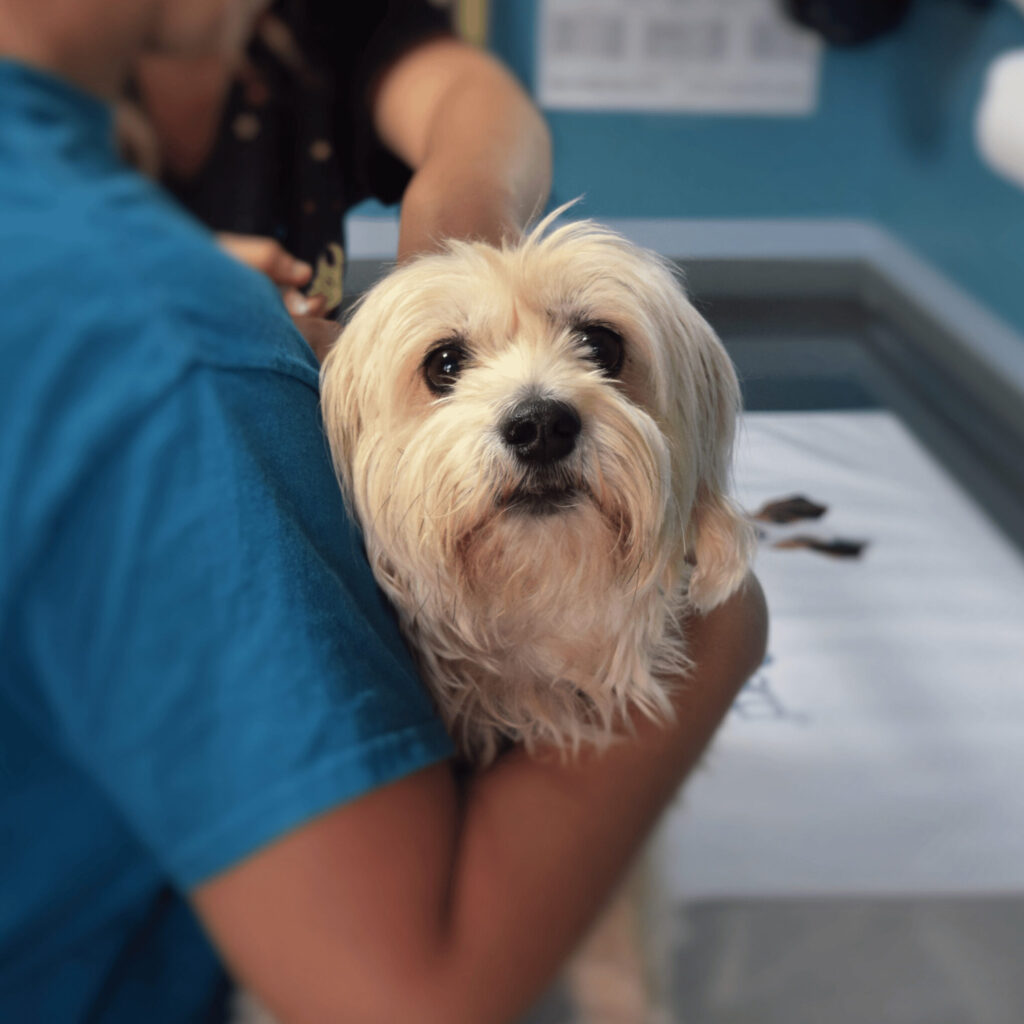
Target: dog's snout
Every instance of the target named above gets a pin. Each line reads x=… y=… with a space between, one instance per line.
x=541 y=430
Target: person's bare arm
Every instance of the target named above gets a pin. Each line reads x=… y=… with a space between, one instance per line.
x=407 y=905
x=479 y=149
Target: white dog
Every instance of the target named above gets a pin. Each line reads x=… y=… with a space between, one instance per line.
x=536 y=442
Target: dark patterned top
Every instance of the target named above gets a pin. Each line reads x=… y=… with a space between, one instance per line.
x=296 y=147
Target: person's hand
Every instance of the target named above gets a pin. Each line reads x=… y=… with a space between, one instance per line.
x=269 y=257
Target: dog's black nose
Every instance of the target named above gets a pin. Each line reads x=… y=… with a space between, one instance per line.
x=541 y=430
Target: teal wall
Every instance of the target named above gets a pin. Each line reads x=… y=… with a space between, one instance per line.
x=891 y=141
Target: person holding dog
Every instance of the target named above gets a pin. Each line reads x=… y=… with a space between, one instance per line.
x=216 y=758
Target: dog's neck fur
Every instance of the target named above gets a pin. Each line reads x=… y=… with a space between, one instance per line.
x=545 y=635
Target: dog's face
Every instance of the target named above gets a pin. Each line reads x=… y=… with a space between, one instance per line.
x=536 y=442
x=505 y=417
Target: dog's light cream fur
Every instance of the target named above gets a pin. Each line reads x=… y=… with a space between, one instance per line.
x=540 y=628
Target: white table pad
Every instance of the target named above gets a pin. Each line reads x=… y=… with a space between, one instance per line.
x=881 y=748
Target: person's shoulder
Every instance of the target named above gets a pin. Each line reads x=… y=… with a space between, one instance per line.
x=220 y=312
x=118 y=250
x=115 y=307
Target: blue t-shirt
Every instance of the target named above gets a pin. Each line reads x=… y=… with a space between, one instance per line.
x=194 y=657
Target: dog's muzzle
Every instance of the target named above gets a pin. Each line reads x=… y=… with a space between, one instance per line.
x=541 y=431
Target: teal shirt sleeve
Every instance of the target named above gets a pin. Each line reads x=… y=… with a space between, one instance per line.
x=211 y=645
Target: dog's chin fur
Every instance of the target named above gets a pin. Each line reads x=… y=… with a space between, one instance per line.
x=545 y=632
x=543 y=605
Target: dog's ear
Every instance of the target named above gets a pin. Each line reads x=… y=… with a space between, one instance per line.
x=722 y=543
x=719 y=539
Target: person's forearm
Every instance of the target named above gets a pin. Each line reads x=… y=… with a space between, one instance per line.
x=479 y=149
x=504 y=891
x=544 y=841
x=407 y=905
x=473 y=184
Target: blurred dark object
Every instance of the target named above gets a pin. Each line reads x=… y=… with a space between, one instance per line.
x=848 y=22
x=790 y=510
x=837 y=547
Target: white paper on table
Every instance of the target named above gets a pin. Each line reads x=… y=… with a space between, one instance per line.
x=881 y=749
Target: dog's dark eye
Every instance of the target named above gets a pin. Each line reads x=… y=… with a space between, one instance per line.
x=443 y=365
x=604 y=346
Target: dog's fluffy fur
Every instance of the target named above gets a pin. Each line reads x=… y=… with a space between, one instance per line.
x=543 y=621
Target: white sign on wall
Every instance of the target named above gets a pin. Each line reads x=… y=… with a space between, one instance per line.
x=693 y=56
